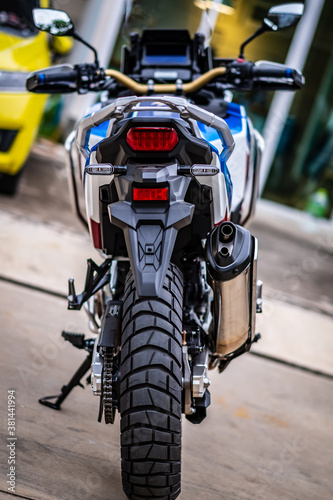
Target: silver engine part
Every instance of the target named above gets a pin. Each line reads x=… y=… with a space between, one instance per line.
x=188 y=409
x=96 y=371
x=194 y=386
x=200 y=380
x=90 y=308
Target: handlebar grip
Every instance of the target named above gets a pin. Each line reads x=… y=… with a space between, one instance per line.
x=53 y=80
x=70 y=76
x=272 y=72
x=266 y=71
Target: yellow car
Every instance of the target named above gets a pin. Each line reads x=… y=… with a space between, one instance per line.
x=23 y=49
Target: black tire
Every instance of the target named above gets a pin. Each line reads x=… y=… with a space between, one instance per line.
x=151 y=392
x=9 y=183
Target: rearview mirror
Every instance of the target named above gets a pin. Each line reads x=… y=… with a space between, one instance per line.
x=277 y=18
x=280 y=17
x=58 y=23
x=55 y=22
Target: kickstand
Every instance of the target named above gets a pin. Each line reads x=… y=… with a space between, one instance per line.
x=75 y=380
x=66 y=389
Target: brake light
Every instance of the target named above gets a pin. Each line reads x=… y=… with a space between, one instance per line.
x=150 y=194
x=152 y=138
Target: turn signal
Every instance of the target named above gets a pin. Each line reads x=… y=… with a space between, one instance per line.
x=152 y=138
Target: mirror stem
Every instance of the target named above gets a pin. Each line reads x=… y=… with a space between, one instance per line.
x=77 y=37
x=259 y=31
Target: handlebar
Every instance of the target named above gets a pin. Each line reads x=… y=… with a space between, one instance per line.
x=162 y=88
x=235 y=75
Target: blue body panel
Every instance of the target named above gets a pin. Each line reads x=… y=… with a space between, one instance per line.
x=234 y=118
x=101 y=130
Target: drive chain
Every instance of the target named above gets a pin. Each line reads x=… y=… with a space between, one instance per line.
x=109 y=410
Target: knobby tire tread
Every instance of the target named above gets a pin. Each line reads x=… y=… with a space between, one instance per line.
x=150 y=391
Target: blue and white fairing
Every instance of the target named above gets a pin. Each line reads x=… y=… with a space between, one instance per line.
x=242 y=173
x=228 y=186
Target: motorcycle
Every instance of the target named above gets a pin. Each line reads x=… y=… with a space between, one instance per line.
x=169 y=169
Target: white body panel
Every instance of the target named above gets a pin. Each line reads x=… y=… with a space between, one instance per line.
x=92 y=184
x=221 y=208
x=240 y=165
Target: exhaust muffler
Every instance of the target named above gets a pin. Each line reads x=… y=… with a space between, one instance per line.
x=231 y=255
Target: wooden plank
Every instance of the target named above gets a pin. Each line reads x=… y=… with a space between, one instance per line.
x=268 y=434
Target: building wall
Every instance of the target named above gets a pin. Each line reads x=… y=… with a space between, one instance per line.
x=74 y=8
x=232 y=30
x=302 y=171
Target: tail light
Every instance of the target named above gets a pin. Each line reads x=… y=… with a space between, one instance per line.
x=150 y=194
x=152 y=138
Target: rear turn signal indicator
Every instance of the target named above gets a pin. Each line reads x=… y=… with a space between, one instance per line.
x=150 y=194
x=152 y=138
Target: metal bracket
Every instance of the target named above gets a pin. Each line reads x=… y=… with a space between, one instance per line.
x=97 y=370
x=200 y=380
x=259 y=296
x=96 y=278
x=224 y=362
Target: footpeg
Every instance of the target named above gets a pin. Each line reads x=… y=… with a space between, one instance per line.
x=76 y=339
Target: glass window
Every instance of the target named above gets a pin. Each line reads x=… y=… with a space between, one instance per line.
x=302 y=171
x=16 y=16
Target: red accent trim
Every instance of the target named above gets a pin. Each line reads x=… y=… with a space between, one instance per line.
x=95 y=230
x=226 y=218
x=150 y=194
x=152 y=138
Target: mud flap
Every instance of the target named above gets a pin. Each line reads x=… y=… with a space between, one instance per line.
x=150 y=234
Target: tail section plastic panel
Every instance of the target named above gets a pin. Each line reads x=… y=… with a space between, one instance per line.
x=150 y=231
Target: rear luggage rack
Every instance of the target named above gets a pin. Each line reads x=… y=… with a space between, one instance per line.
x=189 y=112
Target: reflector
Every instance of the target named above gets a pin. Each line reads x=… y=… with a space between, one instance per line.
x=152 y=138
x=150 y=194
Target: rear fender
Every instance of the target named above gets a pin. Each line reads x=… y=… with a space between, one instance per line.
x=150 y=232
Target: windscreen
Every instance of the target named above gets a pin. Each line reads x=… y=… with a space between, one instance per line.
x=160 y=54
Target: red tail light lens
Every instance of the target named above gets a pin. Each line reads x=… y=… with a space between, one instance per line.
x=150 y=194
x=152 y=138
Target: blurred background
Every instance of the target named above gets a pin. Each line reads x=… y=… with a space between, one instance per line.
x=283 y=392
x=294 y=218
x=298 y=127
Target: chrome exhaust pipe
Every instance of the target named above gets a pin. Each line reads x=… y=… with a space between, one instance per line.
x=231 y=256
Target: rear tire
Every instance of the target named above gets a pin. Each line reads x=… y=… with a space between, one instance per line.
x=151 y=391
